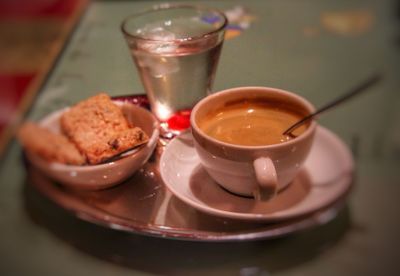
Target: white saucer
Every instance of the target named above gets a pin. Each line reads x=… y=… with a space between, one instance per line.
x=325 y=178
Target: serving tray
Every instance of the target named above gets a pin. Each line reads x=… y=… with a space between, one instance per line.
x=143 y=205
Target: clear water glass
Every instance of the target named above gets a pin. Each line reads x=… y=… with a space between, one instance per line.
x=176 y=49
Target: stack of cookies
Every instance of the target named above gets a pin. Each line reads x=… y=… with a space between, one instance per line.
x=92 y=132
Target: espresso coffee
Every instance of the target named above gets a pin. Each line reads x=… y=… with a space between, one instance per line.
x=252 y=123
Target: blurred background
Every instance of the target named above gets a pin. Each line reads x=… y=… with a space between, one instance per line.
x=32 y=34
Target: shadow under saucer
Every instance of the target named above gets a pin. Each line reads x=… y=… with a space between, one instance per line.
x=213 y=195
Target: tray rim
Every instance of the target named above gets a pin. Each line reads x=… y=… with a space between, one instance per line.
x=96 y=216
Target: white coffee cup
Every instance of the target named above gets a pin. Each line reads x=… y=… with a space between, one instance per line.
x=259 y=171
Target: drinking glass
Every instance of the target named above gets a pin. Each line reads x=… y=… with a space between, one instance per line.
x=176 y=49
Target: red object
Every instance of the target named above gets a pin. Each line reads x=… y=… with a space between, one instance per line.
x=180 y=120
x=18 y=85
x=12 y=91
x=31 y=9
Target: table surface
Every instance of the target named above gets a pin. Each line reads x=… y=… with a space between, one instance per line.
x=318 y=49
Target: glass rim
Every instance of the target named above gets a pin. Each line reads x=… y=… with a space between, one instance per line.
x=175 y=6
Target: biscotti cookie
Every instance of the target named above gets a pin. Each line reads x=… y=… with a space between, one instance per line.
x=50 y=146
x=99 y=129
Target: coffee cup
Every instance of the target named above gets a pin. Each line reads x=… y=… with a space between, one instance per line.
x=238 y=137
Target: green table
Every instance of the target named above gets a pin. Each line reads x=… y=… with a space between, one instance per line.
x=314 y=48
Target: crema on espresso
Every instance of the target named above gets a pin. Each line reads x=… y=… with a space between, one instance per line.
x=252 y=123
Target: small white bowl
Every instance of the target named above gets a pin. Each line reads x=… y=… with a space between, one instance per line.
x=105 y=175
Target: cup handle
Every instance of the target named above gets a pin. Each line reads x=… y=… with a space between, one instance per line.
x=266 y=177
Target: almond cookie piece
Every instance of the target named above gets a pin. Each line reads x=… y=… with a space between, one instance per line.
x=50 y=146
x=99 y=129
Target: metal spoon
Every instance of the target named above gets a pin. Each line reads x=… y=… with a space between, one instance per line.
x=355 y=91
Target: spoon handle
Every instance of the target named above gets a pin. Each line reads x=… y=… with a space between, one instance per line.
x=355 y=91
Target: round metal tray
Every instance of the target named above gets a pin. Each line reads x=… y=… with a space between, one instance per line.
x=144 y=205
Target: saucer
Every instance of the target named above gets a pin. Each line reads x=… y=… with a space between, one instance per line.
x=326 y=177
